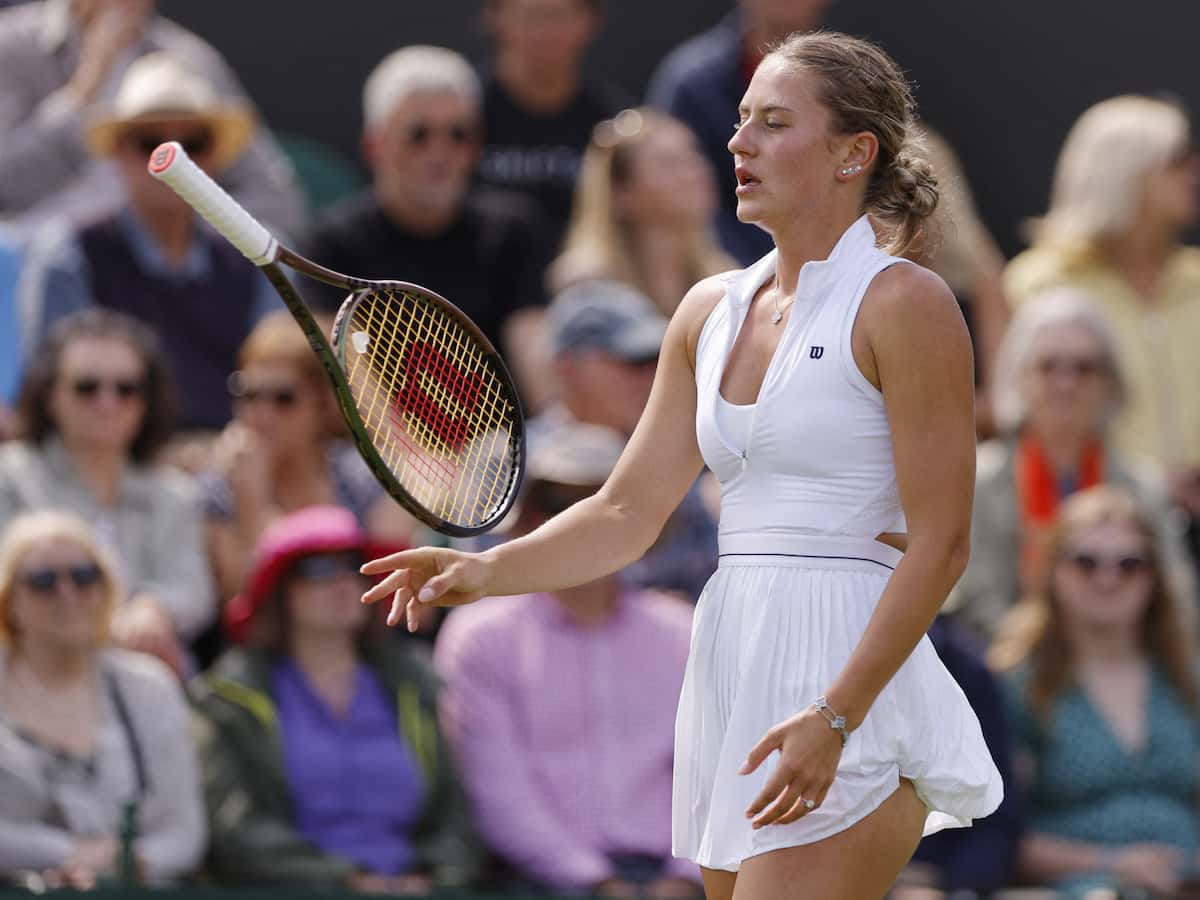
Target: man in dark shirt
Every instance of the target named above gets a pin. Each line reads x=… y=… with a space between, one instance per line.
x=538 y=109
x=702 y=82
x=422 y=221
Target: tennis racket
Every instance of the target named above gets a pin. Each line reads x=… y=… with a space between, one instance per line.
x=429 y=402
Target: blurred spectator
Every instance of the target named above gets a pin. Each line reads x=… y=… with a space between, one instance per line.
x=643 y=210
x=605 y=337
x=94 y=410
x=10 y=331
x=153 y=259
x=284 y=451
x=88 y=735
x=981 y=858
x=322 y=758
x=1101 y=679
x=538 y=108
x=701 y=82
x=1125 y=191
x=1058 y=385
x=560 y=709
x=59 y=59
x=423 y=222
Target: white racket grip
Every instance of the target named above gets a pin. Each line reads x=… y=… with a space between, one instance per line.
x=171 y=164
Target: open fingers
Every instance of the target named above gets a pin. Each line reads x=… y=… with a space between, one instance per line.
x=784 y=802
x=399 y=560
x=760 y=751
x=775 y=786
x=386 y=587
x=439 y=585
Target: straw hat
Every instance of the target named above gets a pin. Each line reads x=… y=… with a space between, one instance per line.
x=158 y=87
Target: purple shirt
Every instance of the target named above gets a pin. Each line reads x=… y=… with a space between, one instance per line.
x=357 y=789
x=565 y=732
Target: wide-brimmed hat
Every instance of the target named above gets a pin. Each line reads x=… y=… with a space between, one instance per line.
x=317 y=529
x=159 y=87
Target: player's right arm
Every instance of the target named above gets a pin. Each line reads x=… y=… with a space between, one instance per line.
x=596 y=536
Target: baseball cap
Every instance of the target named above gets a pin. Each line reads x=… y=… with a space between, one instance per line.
x=609 y=316
x=576 y=454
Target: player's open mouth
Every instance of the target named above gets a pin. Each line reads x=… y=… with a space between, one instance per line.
x=745 y=180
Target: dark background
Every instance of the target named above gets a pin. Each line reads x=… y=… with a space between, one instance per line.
x=1002 y=80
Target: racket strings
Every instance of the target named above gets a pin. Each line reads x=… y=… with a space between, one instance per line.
x=438 y=412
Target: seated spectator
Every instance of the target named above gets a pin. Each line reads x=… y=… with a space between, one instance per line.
x=154 y=259
x=92 y=739
x=423 y=222
x=982 y=858
x=1101 y=680
x=323 y=763
x=643 y=211
x=560 y=710
x=604 y=338
x=61 y=58
x=284 y=450
x=1126 y=191
x=10 y=332
x=94 y=410
x=538 y=106
x=1058 y=386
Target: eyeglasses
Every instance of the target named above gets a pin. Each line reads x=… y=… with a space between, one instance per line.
x=46 y=580
x=1080 y=367
x=326 y=566
x=420 y=134
x=194 y=144
x=1126 y=566
x=88 y=387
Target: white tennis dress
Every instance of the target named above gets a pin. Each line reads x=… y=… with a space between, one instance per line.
x=807 y=482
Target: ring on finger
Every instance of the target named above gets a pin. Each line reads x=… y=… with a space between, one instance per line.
x=810 y=805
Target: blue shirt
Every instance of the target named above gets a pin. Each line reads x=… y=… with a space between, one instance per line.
x=10 y=331
x=357 y=789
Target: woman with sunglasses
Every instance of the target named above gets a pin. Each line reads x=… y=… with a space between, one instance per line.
x=92 y=739
x=643 y=213
x=1104 y=707
x=326 y=734
x=1058 y=386
x=284 y=451
x=95 y=409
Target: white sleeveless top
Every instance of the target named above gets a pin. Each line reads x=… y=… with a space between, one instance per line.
x=818 y=455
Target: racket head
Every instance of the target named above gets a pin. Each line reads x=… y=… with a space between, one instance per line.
x=436 y=412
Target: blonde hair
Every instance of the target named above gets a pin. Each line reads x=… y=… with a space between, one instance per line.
x=1099 y=175
x=598 y=245
x=865 y=90
x=26 y=531
x=419 y=69
x=1055 y=308
x=1034 y=630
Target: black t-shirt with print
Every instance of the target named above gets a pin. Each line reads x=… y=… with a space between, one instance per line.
x=540 y=155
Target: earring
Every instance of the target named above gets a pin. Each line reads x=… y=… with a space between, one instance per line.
x=852 y=170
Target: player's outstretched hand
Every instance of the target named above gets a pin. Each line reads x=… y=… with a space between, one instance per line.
x=434 y=575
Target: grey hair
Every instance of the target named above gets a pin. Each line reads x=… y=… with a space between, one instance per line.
x=1053 y=308
x=419 y=69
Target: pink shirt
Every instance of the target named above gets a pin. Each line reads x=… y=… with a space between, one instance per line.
x=565 y=732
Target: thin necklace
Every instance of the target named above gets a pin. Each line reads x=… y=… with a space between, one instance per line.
x=778 y=317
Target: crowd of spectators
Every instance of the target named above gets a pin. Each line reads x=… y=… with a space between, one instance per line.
x=189 y=688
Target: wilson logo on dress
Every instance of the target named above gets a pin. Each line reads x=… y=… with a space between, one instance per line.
x=816 y=352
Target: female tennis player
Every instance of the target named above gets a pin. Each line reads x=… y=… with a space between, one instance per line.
x=828 y=386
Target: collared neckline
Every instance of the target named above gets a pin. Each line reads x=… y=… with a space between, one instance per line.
x=196 y=264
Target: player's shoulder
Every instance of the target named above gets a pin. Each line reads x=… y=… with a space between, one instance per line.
x=909 y=295
x=696 y=306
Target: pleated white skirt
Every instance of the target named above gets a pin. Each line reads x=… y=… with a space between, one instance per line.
x=774 y=627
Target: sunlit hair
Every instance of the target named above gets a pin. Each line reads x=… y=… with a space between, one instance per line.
x=419 y=69
x=1059 y=307
x=1101 y=169
x=1034 y=632
x=598 y=243
x=35 y=420
x=29 y=530
x=865 y=90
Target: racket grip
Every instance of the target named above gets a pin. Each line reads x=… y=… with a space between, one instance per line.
x=171 y=164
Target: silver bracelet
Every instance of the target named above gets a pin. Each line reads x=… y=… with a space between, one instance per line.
x=836 y=722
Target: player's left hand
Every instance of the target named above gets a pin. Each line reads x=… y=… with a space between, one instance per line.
x=809 y=751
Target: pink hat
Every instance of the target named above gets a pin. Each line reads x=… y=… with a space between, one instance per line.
x=317 y=529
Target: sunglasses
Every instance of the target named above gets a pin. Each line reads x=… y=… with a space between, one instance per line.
x=326 y=566
x=195 y=144
x=46 y=581
x=421 y=134
x=1080 y=367
x=88 y=387
x=1126 y=566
